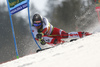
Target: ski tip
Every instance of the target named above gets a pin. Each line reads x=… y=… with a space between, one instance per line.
x=42 y=49
x=38 y=50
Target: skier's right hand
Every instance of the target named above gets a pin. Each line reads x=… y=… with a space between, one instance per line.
x=42 y=41
x=39 y=36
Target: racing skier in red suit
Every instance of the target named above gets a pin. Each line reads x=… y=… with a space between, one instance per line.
x=44 y=32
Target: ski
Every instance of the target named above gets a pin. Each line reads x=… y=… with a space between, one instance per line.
x=73 y=40
x=43 y=49
x=38 y=50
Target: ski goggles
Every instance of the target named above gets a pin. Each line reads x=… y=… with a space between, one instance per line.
x=37 y=24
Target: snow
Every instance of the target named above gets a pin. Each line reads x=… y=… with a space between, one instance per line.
x=40 y=5
x=84 y=52
x=2 y=2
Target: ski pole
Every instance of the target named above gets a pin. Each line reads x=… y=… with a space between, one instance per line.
x=30 y=27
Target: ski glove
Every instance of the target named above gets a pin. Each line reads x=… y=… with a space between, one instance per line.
x=86 y=33
x=39 y=36
x=42 y=41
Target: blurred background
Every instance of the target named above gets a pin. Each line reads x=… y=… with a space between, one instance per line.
x=69 y=15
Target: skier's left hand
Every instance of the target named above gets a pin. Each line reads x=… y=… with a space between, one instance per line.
x=87 y=33
x=82 y=34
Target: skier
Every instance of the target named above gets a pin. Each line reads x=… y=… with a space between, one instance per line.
x=45 y=33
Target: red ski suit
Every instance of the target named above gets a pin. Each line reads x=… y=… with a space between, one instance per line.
x=53 y=35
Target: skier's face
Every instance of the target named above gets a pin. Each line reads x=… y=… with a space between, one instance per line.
x=37 y=24
x=38 y=27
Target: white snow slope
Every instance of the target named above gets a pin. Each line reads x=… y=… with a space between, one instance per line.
x=84 y=52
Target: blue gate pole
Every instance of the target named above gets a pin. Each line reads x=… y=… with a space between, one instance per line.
x=30 y=26
x=13 y=31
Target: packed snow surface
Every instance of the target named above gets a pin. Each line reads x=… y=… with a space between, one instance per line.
x=84 y=52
